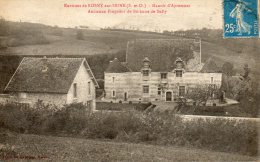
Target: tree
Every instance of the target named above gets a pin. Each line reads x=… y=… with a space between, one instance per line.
x=202 y=93
x=80 y=35
x=227 y=69
x=246 y=71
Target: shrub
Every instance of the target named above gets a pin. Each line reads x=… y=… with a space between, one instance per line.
x=222 y=134
x=14 y=118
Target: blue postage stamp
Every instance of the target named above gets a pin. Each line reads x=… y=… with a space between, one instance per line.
x=241 y=18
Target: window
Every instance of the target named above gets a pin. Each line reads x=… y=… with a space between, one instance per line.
x=113 y=79
x=145 y=89
x=89 y=88
x=113 y=93
x=178 y=73
x=211 y=81
x=159 y=91
x=145 y=72
x=75 y=90
x=181 y=90
x=163 y=75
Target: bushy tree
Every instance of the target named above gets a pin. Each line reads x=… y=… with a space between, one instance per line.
x=246 y=71
x=201 y=94
x=227 y=69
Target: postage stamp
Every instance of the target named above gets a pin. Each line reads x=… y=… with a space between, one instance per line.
x=241 y=18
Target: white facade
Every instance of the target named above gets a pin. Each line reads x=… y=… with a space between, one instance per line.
x=130 y=86
x=85 y=89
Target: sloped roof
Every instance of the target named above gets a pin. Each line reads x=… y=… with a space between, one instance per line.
x=45 y=75
x=210 y=67
x=116 y=66
x=161 y=52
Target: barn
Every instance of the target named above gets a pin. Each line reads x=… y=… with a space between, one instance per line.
x=56 y=81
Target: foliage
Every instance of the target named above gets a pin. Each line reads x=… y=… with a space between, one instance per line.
x=228 y=68
x=153 y=127
x=122 y=106
x=243 y=88
x=201 y=94
x=246 y=71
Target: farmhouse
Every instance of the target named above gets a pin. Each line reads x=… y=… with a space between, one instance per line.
x=159 y=70
x=57 y=81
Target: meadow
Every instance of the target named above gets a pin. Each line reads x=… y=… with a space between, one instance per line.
x=156 y=128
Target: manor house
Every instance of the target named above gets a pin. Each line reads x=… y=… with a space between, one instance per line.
x=159 y=70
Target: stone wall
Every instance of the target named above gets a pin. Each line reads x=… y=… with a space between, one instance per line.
x=47 y=98
x=132 y=84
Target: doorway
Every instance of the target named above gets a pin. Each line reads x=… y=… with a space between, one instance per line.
x=168 y=96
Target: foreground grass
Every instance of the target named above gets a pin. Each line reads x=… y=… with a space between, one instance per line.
x=37 y=147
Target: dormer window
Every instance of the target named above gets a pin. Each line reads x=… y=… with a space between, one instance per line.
x=163 y=75
x=146 y=63
x=178 y=73
x=145 y=72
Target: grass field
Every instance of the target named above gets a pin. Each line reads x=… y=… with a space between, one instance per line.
x=95 y=42
x=35 y=147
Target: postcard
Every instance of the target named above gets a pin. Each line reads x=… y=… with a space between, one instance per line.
x=129 y=80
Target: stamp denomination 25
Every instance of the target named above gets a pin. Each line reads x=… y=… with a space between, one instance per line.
x=241 y=18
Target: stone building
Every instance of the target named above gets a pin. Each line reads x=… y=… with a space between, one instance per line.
x=56 y=81
x=159 y=70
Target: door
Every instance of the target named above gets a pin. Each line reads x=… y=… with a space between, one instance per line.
x=168 y=96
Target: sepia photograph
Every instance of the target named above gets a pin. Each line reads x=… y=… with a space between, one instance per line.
x=123 y=80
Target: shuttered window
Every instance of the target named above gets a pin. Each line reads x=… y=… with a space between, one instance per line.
x=181 y=91
x=145 y=89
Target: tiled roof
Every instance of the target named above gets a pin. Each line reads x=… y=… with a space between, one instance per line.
x=210 y=67
x=45 y=75
x=116 y=66
x=161 y=52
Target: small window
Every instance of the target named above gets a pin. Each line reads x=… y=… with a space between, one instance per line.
x=145 y=89
x=113 y=93
x=159 y=91
x=181 y=91
x=89 y=88
x=178 y=73
x=113 y=79
x=145 y=72
x=212 y=80
x=163 y=75
x=75 y=90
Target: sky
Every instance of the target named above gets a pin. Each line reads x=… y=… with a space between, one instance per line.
x=202 y=13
